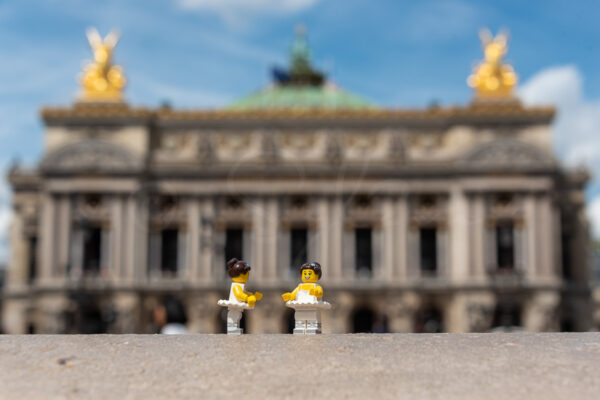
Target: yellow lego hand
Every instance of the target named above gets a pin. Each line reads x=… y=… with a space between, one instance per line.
x=312 y=292
x=251 y=300
x=258 y=296
x=318 y=292
x=286 y=296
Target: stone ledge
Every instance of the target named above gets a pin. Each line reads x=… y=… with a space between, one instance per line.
x=448 y=366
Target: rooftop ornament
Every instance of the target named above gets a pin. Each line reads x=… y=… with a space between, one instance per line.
x=101 y=80
x=492 y=79
x=301 y=71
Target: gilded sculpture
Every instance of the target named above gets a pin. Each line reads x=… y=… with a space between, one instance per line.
x=493 y=79
x=101 y=80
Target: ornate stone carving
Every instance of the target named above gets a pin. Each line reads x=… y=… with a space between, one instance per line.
x=507 y=153
x=269 y=148
x=333 y=151
x=90 y=156
x=397 y=151
x=206 y=153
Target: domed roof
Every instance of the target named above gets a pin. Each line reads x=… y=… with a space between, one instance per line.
x=300 y=86
x=326 y=96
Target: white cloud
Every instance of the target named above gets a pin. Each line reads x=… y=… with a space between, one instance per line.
x=576 y=127
x=237 y=12
x=593 y=214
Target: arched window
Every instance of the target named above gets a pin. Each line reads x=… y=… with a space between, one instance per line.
x=362 y=320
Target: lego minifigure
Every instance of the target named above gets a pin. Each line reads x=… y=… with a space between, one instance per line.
x=239 y=299
x=307 y=301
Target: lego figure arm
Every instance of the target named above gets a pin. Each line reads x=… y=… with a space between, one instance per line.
x=240 y=294
x=316 y=291
x=256 y=295
x=243 y=296
x=290 y=296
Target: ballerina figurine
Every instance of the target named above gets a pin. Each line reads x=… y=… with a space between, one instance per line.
x=239 y=299
x=307 y=301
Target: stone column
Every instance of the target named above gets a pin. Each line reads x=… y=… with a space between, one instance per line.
x=400 y=311
x=531 y=235
x=129 y=250
x=193 y=242
x=203 y=314
x=469 y=312
x=18 y=268
x=117 y=218
x=337 y=319
x=478 y=235
x=257 y=259
x=128 y=310
x=207 y=240
x=540 y=313
x=323 y=251
x=271 y=240
x=400 y=269
x=47 y=238
x=141 y=240
x=63 y=244
x=336 y=232
x=546 y=234
x=459 y=235
x=389 y=223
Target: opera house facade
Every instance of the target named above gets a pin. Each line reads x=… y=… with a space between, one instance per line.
x=453 y=219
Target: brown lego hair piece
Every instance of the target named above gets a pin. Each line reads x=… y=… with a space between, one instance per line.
x=315 y=266
x=237 y=267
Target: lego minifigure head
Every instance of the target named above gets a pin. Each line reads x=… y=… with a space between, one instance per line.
x=311 y=272
x=238 y=270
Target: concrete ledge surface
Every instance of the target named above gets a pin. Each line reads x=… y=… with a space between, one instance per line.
x=391 y=366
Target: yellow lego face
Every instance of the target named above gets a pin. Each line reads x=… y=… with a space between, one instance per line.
x=242 y=278
x=309 y=276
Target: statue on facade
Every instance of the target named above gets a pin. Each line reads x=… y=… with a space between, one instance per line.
x=101 y=80
x=493 y=79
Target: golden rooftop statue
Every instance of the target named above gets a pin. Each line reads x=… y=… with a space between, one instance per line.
x=102 y=81
x=491 y=79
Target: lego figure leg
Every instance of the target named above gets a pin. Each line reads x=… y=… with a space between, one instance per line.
x=233 y=322
x=313 y=327
x=300 y=327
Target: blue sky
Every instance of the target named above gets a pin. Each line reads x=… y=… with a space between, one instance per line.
x=206 y=53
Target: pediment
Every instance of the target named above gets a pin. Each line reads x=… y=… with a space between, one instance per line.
x=90 y=156
x=508 y=153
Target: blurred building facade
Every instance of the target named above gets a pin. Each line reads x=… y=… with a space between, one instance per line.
x=452 y=219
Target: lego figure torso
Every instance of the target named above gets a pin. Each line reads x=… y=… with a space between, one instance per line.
x=303 y=295
x=232 y=297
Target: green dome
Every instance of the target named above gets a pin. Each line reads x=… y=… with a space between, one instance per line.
x=326 y=96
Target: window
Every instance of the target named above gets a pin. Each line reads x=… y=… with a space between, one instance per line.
x=505 y=245
x=169 y=251
x=428 y=250
x=298 y=247
x=363 y=252
x=234 y=244
x=507 y=316
x=32 y=261
x=362 y=320
x=92 y=248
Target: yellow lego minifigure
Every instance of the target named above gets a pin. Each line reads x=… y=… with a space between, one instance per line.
x=307 y=301
x=239 y=299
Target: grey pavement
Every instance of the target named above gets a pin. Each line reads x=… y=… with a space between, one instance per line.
x=391 y=366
